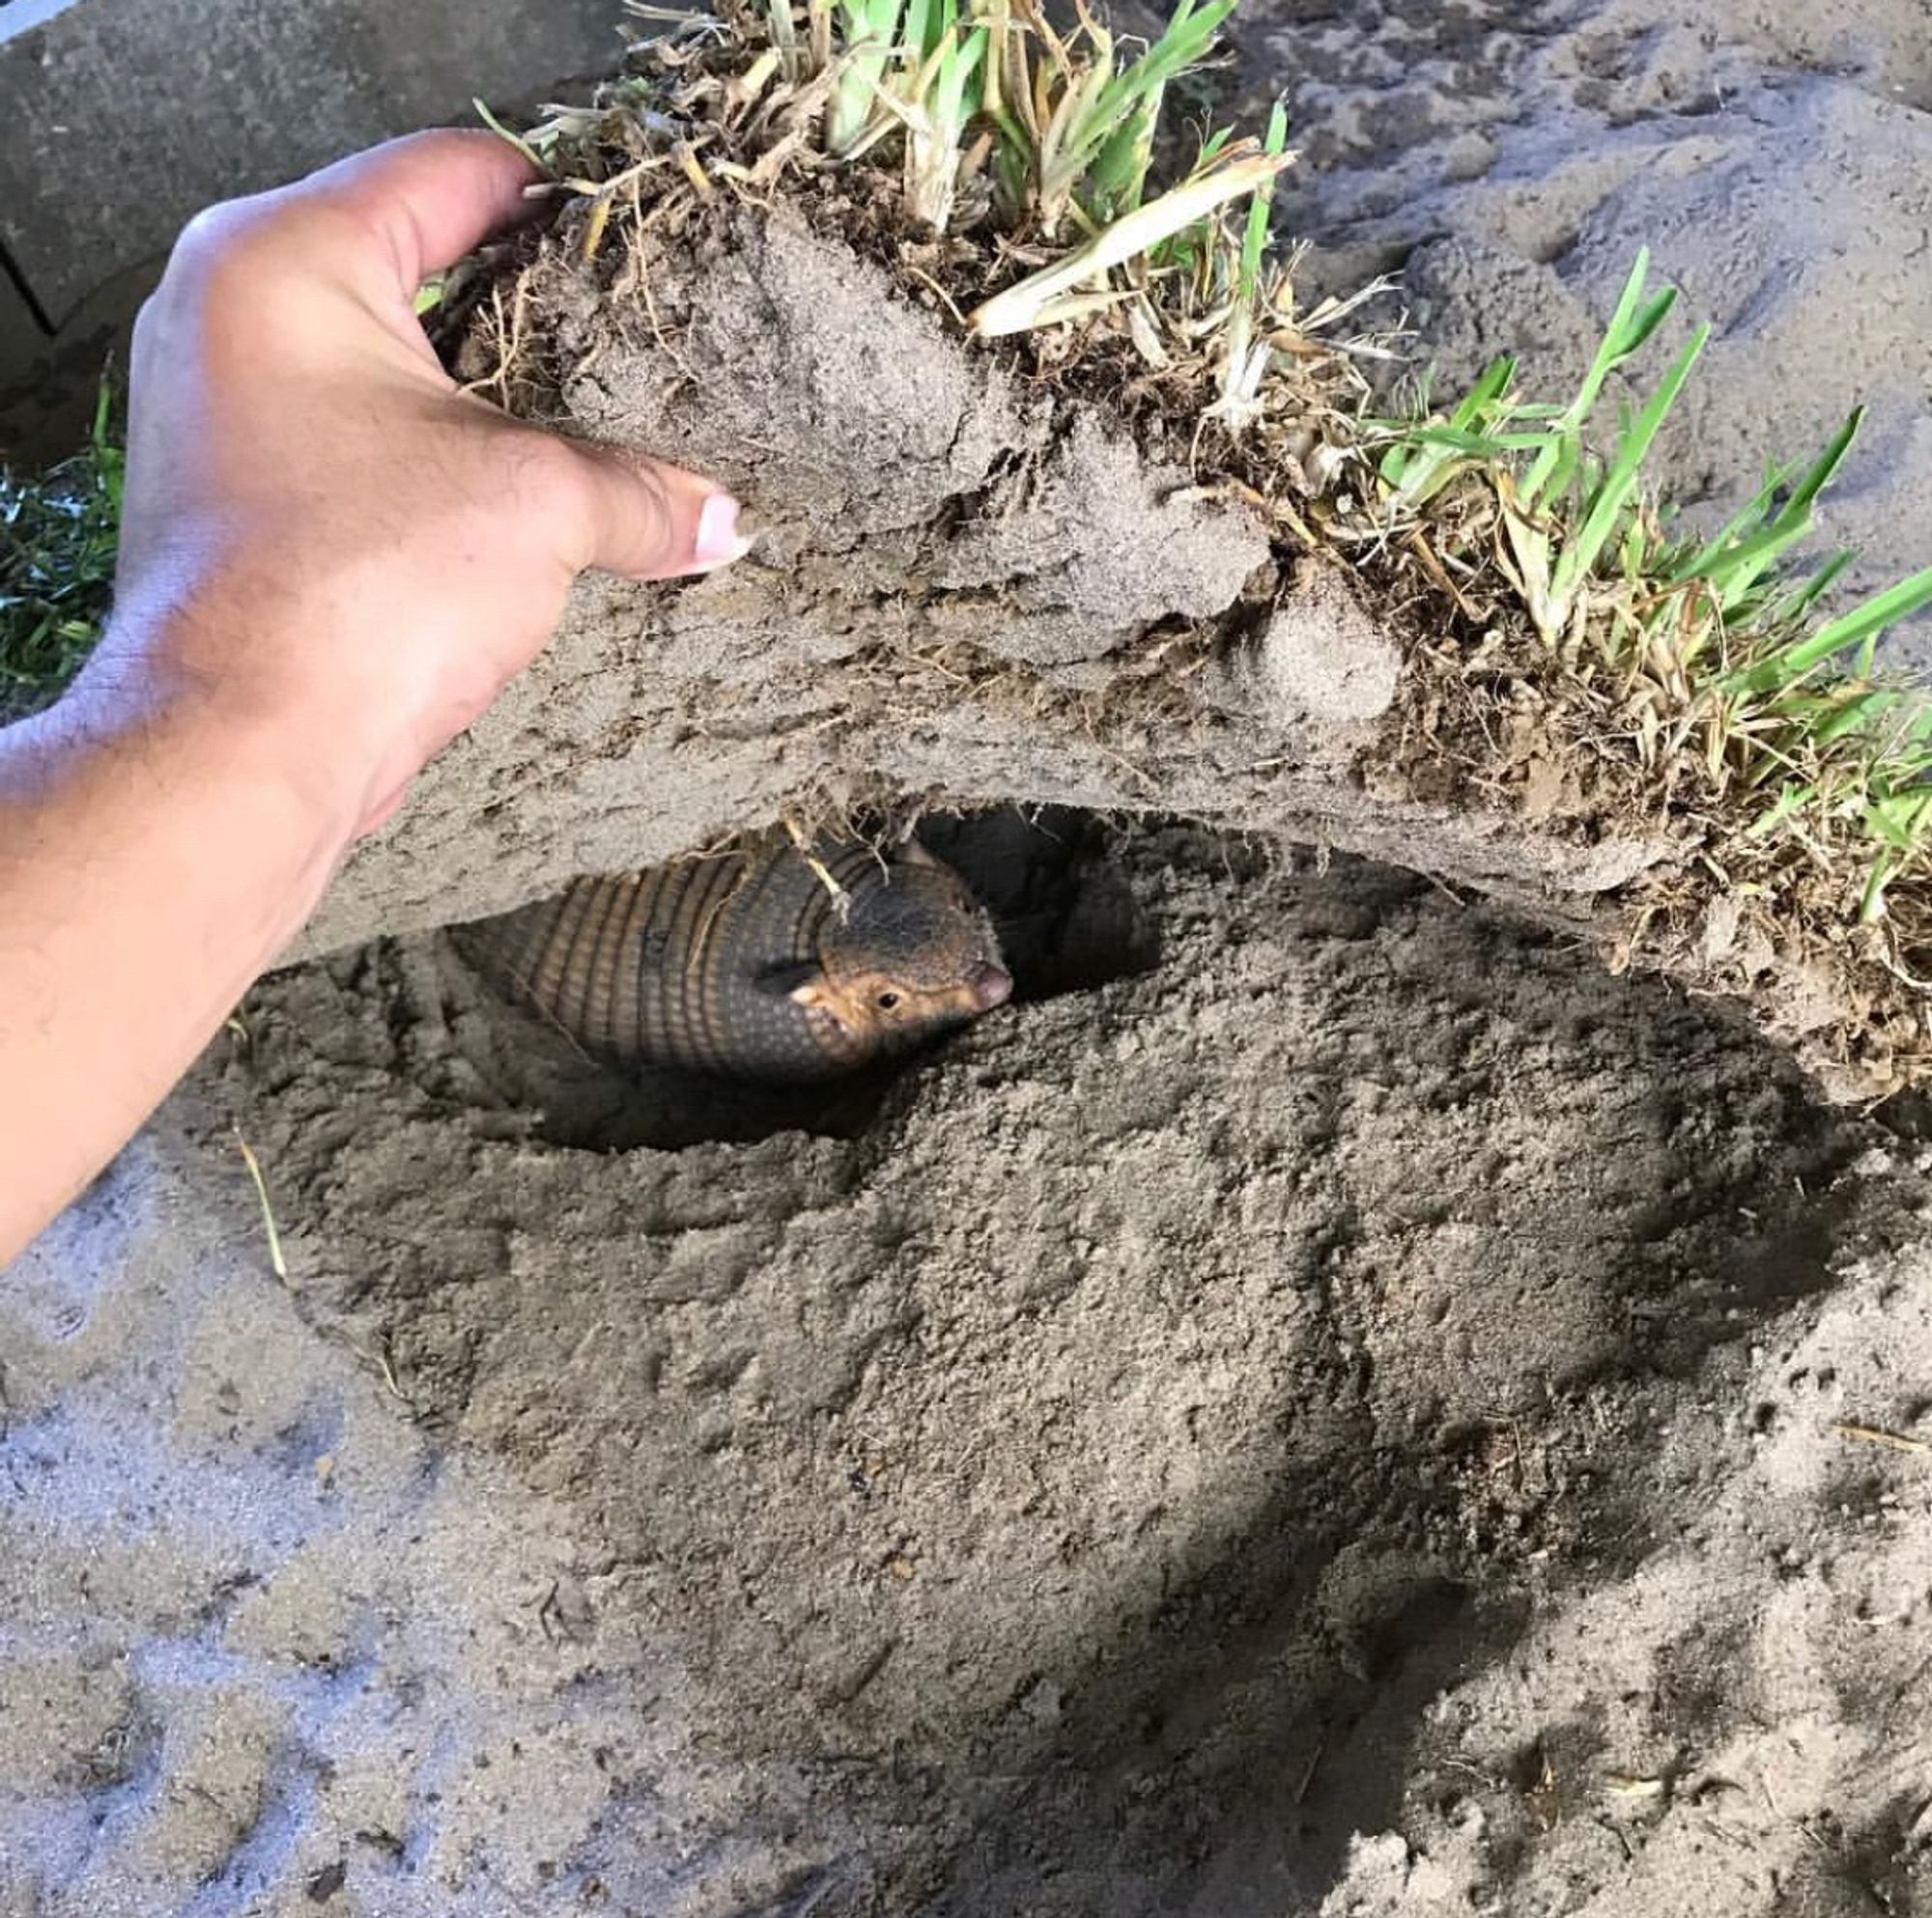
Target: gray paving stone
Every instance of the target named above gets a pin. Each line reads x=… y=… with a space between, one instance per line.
x=119 y=118
x=48 y=387
x=21 y=340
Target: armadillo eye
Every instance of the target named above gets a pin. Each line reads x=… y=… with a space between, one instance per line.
x=887 y=1000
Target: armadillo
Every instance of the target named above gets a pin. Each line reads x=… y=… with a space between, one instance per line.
x=764 y=964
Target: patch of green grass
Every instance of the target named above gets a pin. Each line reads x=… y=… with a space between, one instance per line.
x=1715 y=647
x=1000 y=124
x=1062 y=125
x=58 y=536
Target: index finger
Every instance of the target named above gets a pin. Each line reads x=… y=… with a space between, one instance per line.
x=425 y=199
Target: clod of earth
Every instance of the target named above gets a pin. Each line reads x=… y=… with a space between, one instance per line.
x=970 y=590
x=774 y=962
x=1037 y=573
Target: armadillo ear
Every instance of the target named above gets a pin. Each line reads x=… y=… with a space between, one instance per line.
x=800 y=980
x=911 y=853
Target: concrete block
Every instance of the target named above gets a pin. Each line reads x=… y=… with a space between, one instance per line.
x=48 y=387
x=21 y=340
x=119 y=119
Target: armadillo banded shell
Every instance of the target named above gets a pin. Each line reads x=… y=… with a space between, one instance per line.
x=689 y=965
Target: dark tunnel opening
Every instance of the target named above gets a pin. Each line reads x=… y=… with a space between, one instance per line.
x=1067 y=922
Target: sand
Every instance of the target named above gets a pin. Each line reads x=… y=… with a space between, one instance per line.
x=1333 y=1404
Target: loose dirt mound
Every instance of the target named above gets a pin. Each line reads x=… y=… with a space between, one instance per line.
x=1122 y=1470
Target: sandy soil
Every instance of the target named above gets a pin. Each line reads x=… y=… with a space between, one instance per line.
x=1509 y=162
x=1332 y=1405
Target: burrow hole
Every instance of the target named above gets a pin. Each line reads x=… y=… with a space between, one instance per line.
x=1068 y=922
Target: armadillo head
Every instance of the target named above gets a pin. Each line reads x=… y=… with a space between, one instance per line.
x=915 y=955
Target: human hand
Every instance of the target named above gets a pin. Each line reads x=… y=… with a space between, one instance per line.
x=330 y=561
x=325 y=540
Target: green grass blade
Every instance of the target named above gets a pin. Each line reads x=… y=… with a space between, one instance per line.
x=1117 y=176
x=1184 y=44
x=1612 y=495
x=1734 y=561
x=1861 y=713
x=1630 y=327
x=1862 y=626
x=1478 y=446
x=1797 y=605
x=1697 y=561
x=1413 y=467
x=1792 y=797
x=1254 y=240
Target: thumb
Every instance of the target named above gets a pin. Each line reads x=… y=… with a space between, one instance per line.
x=650 y=521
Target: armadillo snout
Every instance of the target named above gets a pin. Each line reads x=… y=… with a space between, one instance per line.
x=990 y=985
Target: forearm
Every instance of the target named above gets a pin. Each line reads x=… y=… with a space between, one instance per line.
x=330 y=561
x=156 y=854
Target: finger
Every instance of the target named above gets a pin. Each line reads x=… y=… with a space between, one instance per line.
x=383 y=811
x=424 y=200
x=650 y=521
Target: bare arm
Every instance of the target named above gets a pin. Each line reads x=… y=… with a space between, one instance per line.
x=330 y=562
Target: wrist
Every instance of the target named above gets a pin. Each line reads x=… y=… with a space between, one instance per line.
x=212 y=756
x=194 y=682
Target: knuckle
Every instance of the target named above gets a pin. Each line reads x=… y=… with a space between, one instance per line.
x=653 y=491
x=544 y=477
x=648 y=507
x=235 y=250
x=579 y=501
x=505 y=491
x=215 y=260
x=216 y=234
x=147 y=319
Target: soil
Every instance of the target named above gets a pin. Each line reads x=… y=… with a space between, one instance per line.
x=1333 y=1403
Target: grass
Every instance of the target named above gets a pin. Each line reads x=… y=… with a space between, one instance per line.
x=1002 y=128
x=1712 y=650
x=58 y=532
x=1061 y=127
